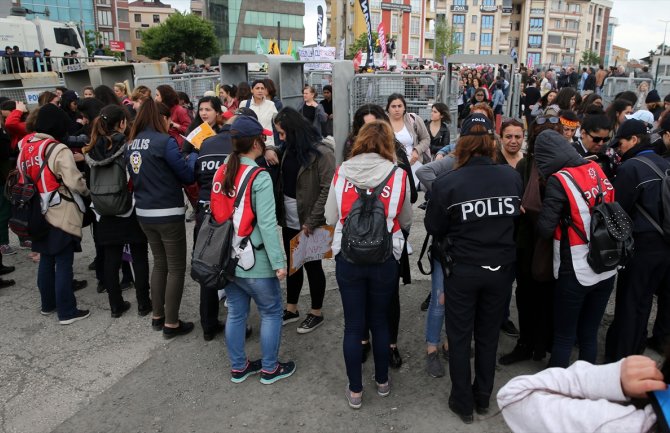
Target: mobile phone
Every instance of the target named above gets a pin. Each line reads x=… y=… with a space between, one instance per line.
x=660 y=400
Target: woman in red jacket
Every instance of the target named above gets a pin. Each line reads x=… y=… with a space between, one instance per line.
x=15 y=122
x=179 y=118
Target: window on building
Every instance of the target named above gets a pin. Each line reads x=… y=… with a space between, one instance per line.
x=487 y=21
x=157 y=18
x=473 y=36
x=488 y=2
x=534 y=58
x=414 y=46
x=572 y=25
x=375 y=4
x=105 y=37
x=486 y=39
x=570 y=42
x=474 y=19
x=458 y=20
x=472 y=51
x=414 y=26
x=416 y=6
x=138 y=18
x=588 y=44
x=124 y=35
x=485 y=52
x=460 y=2
x=553 y=58
x=517 y=26
x=575 y=8
x=598 y=28
x=536 y=24
x=122 y=15
x=534 y=41
x=138 y=34
x=105 y=18
x=375 y=18
x=395 y=28
x=557 y=5
x=557 y=24
x=596 y=46
x=590 y=9
x=554 y=39
x=458 y=38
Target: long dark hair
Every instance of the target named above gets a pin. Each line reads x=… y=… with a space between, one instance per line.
x=544 y=100
x=616 y=107
x=535 y=129
x=301 y=136
x=105 y=124
x=394 y=97
x=243 y=91
x=231 y=90
x=213 y=101
x=106 y=95
x=168 y=95
x=241 y=145
x=443 y=110
x=563 y=98
x=149 y=117
x=359 y=121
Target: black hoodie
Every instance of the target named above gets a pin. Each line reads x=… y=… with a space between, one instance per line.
x=553 y=152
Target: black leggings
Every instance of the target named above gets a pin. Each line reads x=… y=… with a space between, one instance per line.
x=315 y=276
x=113 y=260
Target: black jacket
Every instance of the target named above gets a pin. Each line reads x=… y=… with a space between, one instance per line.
x=440 y=140
x=605 y=159
x=213 y=152
x=635 y=183
x=553 y=153
x=475 y=207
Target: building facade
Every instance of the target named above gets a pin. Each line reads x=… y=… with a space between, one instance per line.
x=237 y=23
x=540 y=32
x=619 y=55
x=112 y=22
x=80 y=12
x=143 y=15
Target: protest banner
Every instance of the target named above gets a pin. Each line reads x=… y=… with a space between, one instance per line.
x=305 y=248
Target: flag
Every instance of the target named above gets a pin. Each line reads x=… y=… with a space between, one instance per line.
x=274 y=47
x=365 y=7
x=358 y=58
x=341 y=56
x=319 y=25
x=289 y=48
x=260 y=45
x=382 y=42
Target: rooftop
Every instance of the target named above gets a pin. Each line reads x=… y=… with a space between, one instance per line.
x=149 y=4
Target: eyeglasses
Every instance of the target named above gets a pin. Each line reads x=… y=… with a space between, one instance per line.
x=597 y=139
x=542 y=120
x=479 y=94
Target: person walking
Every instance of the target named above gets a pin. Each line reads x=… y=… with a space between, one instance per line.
x=472 y=214
x=157 y=171
x=366 y=289
x=264 y=108
x=261 y=264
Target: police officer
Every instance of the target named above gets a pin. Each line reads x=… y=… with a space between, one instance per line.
x=592 y=143
x=638 y=190
x=473 y=212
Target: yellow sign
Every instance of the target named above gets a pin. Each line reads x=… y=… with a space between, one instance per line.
x=199 y=134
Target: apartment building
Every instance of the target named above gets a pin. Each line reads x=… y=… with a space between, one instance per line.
x=112 y=22
x=143 y=15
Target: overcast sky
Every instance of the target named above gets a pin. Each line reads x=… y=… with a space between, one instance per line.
x=639 y=29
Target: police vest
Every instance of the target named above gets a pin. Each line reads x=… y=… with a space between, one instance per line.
x=586 y=176
x=393 y=196
x=31 y=158
x=244 y=218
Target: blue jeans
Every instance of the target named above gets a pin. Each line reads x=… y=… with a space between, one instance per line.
x=578 y=311
x=54 y=279
x=435 y=316
x=266 y=293
x=366 y=292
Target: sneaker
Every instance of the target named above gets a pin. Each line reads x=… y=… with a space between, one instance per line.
x=100 y=288
x=290 y=317
x=425 y=304
x=118 y=312
x=26 y=245
x=521 y=352
x=383 y=389
x=47 y=312
x=6 y=269
x=253 y=367
x=127 y=286
x=434 y=367
x=78 y=285
x=80 y=315
x=283 y=370
x=445 y=353
x=354 y=402
x=7 y=250
x=182 y=329
x=509 y=329
x=310 y=323
x=210 y=334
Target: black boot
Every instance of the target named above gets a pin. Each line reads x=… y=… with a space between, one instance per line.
x=521 y=352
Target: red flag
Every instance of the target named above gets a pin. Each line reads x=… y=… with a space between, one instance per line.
x=358 y=58
x=382 y=42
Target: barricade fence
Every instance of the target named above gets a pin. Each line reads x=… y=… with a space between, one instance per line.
x=193 y=84
x=27 y=95
x=615 y=85
x=28 y=64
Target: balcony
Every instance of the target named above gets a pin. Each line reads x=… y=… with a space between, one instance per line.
x=429 y=35
x=535 y=30
x=458 y=8
x=505 y=28
x=507 y=10
x=537 y=12
x=488 y=9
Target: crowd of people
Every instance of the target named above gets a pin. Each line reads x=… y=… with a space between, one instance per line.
x=508 y=201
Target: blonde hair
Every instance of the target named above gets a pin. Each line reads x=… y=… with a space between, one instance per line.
x=123 y=87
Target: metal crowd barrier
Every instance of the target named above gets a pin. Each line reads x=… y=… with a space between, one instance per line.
x=30 y=64
x=318 y=79
x=193 y=84
x=615 y=85
x=28 y=95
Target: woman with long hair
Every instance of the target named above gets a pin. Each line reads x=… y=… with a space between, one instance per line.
x=107 y=147
x=409 y=129
x=106 y=95
x=438 y=129
x=228 y=96
x=121 y=92
x=566 y=99
x=478 y=97
x=475 y=232
x=243 y=91
x=209 y=112
x=367 y=289
x=158 y=170
x=616 y=113
x=306 y=169
x=271 y=93
x=179 y=118
x=312 y=110
x=261 y=264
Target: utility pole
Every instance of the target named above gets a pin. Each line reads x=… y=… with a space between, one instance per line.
x=658 y=63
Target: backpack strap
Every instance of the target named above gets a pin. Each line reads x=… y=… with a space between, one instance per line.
x=649 y=163
x=248 y=104
x=659 y=173
x=568 y=220
x=379 y=188
x=238 y=199
x=47 y=155
x=419 y=263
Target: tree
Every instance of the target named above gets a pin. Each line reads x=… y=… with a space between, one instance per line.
x=180 y=36
x=362 y=44
x=446 y=43
x=92 y=39
x=590 y=58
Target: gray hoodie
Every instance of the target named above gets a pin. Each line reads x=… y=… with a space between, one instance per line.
x=553 y=152
x=367 y=170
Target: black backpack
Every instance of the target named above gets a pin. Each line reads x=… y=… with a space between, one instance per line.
x=366 y=239
x=664 y=227
x=214 y=260
x=26 y=219
x=611 y=233
x=109 y=185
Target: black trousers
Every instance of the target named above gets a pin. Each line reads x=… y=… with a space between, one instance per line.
x=315 y=276
x=113 y=259
x=535 y=305
x=661 y=330
x=647 y=273
x=209 y=296
x=474 y=301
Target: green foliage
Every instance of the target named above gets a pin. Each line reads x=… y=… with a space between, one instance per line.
x=590 y=58
x=180 y=37
x=362 y=44
x=92 y=39
x=445 y=40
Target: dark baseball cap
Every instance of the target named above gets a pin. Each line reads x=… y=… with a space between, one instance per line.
x=664 y=126
x=245 y=126
x=476 y=119
x=629 y=128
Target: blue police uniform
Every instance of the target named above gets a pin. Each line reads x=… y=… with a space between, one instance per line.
x=473 y=212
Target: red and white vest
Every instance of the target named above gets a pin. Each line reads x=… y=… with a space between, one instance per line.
x=586 y=176
x=221 y=206
x=393 y=197
x=31 y=157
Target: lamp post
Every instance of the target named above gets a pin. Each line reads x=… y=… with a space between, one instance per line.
x=658 y=63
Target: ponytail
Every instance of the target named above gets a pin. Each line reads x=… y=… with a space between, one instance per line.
x=104 y=125
x=241 y=145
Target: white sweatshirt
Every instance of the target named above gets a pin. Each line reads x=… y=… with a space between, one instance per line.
x=583 y=398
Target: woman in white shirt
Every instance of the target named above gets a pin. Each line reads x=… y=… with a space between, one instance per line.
x=409 y=130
